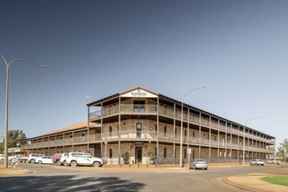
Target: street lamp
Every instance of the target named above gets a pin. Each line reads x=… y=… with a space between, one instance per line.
x=244 y=139
x=6 y=121
x=181 y=130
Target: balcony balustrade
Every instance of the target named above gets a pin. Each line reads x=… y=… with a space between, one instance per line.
x=95 y=137
x=194 y=119
x=59 y=142
x=95 y=115
x=166 y=111
x=178 y=115
x=204 y=122
x=138 y=108
x=148 y=134
x=214 y=125
x=214 y=143
x=222 y=128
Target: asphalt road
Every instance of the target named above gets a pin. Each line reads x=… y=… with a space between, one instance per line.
x=56 y=179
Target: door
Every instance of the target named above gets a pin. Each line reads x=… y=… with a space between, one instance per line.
x=84 y=160
x=138 y=154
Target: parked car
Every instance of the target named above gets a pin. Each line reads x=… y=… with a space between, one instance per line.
x=44 y=160
x=13 y=159
x=23 y=159
x=257 y=162
x=33 y=158
x=78 y=158
x=273 y=161
x=199 y=164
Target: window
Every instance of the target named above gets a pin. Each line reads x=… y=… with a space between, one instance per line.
x=139 y=129
x=110 y=130
x=110 y=153
x=185 y=132
x=165 y=153
x=193 y=133
x=165 y=131
x=175 y=131
x=139 y=106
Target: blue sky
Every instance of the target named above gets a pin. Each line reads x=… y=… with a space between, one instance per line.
x=237 y=49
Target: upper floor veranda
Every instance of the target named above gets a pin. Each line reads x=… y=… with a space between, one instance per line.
x=143 y=102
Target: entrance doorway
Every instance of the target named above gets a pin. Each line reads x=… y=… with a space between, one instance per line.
x=138 y=154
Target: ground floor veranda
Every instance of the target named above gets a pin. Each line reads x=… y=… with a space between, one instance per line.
x=146 y=152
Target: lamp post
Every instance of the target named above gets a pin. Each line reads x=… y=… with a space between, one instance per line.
x=6 y=119
x=182 y=117
x=244 y=134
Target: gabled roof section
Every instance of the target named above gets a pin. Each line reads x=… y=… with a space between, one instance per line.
x=137 y=91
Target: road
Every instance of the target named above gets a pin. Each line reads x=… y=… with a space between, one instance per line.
x=62 y=179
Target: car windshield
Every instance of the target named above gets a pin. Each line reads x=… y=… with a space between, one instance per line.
x=37 y=155
x=201 y=161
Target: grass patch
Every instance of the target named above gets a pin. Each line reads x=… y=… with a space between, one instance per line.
x=278 y=180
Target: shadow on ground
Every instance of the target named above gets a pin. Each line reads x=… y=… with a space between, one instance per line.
x=67 y=184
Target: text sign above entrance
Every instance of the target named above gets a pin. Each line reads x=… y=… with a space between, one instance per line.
x=139 y=93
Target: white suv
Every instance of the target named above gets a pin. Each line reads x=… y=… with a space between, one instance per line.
x=79 y=158
x=257 y=162
x=34 y=158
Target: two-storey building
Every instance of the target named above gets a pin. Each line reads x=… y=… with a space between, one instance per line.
x=142 y=126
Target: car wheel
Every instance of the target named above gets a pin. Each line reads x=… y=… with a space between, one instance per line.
x=96 y=164
x=73 y=164
x=40 y=162
x=65 y=163
x=32 y=161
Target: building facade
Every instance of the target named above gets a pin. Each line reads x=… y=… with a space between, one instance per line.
x=142 y=126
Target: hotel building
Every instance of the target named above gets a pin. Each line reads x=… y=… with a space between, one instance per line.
x=142 y=126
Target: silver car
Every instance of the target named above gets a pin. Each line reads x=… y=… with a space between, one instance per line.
x=199 y=164
x=257 y=162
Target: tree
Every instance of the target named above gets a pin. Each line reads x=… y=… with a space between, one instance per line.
x=283 y=150
x=15 y=137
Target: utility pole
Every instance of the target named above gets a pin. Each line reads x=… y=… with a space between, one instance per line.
x=244 y=135
x=182 y=119
x=6 y=119
x=181 y=137
x=244 y=144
